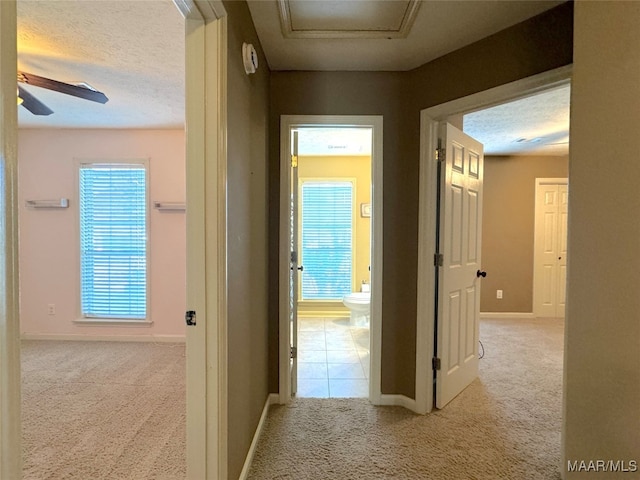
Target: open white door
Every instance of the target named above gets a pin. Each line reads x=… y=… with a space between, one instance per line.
x=459 y=272
x=295 y=268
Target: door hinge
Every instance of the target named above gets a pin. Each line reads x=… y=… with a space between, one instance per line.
x=294 y=161
x=294 y=352
x=435 y=363
x=190 y=317
x=438 y=259
x=441 y=154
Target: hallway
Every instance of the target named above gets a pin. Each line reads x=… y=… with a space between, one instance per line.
x=505 y=425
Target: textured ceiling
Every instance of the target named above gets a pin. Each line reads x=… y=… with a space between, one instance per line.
x=537 y=124
x=131 y=51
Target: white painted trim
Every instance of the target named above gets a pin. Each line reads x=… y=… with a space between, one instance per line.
x=523 y=88
x=500 y=315
x=429 y=120
x=272 y=399
x=10 y=428
x=286 y=123
x=399 y=401
x=105 y=338
x=206 y=120
x=208 y=10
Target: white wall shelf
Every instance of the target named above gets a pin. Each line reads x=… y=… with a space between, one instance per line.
x=48 y=204
x=170 y=206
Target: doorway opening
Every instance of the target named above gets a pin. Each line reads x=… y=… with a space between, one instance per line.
x=431 y=118
x=526 y=140
x=331 y=202
x=330 y=257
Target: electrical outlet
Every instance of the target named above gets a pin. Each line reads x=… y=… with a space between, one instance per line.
x=498 y=293
x=51 y=309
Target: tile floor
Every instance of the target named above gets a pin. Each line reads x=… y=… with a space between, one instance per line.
x=333 y=358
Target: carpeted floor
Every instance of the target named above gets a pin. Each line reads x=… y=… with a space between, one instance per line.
x=506 y=425
x=103 y=410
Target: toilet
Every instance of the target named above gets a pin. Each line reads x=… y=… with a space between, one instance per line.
x=358 y=305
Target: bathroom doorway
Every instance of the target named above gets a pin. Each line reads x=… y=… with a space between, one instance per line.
x=329 y=295
x=333 y=243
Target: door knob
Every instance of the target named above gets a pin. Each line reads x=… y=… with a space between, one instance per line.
x=301 y=268
x=480 y=273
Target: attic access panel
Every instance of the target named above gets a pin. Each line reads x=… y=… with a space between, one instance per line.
x=340 y=19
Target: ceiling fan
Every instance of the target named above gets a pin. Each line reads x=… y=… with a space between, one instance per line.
x=36 y=107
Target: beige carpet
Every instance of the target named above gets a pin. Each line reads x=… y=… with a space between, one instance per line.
x=506 y=425
x=103 y=410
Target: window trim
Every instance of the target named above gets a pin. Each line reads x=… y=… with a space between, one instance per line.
x=354 y=213
x=81 y=319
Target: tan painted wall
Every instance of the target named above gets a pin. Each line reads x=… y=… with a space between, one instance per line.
x=359 y=169
x=246 y=237
x=602 y=336
x=537 y=45
x=508 y=228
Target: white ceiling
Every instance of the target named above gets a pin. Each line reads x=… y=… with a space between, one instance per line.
x=537 y=124
x=133 y=51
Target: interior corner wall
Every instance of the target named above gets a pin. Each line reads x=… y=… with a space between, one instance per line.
x=537 y=45
x=508 y=227
x=247 y=190
x=49 y=242
x=601 y=420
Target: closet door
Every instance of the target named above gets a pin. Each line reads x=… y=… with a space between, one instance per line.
x=550 y=247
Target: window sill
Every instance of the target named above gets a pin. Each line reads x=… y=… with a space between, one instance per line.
x=112 y=322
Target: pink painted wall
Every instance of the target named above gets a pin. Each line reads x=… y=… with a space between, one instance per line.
x=49 y=258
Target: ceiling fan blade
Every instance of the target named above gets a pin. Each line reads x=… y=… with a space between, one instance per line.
x=74 y=90
x=32 y=104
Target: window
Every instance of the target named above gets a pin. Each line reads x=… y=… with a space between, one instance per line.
x=326 y=244
x=113 y=240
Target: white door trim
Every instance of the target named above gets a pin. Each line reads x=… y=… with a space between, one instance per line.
x=206 y=164
x=10 y=424
x=429 y=119
x=286 y=123
x=536 y=260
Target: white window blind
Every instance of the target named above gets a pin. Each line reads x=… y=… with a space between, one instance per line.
x=326 y=232
x=113 y=240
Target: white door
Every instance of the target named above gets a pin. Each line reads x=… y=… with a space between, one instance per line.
x=295 y=268
x=459 y=237
x=550 y=251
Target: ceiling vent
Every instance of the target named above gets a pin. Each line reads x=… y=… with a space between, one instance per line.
x=340 y=19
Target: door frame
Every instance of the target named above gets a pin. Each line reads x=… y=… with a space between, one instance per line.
x=428 y=204
x=10 y=383
x=536 y=290
x=206 y=225
x=287 y=122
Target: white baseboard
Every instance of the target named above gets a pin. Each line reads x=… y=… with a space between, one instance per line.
x=105 y=338
x=399 y=401
x=507 y=315
x=273 y=398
